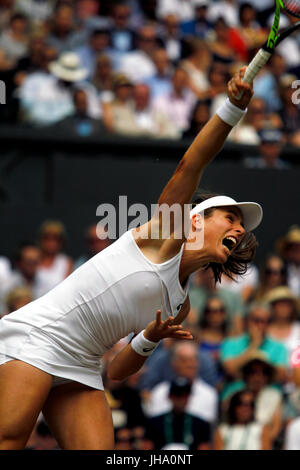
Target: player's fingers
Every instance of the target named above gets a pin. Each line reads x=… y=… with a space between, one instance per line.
x=158 y=317
x=246 y=86
x=175 y=327
x=234 y=88
x=244 y=89
x=168 y=321
x=182 y=335
x=242 y=71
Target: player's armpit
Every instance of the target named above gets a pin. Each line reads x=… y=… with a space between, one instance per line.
x=184 y=311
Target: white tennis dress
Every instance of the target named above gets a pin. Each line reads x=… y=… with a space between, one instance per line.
x=68 y=330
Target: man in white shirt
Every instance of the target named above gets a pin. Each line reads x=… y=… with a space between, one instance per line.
x=138 y=64
x=203 y=399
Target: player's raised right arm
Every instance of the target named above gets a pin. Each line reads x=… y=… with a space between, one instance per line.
x=160 y=240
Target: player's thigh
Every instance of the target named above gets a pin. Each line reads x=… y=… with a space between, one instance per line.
x=23 y=391
x=79 y=417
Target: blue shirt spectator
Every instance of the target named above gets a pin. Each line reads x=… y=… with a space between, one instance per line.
x=158 y=369
x=98 y=44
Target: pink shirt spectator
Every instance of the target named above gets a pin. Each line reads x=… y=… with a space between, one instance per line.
x=177 y=108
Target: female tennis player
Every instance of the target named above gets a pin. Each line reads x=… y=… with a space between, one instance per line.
x=50 y=349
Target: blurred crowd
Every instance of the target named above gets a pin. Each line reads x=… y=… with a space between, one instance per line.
x=146 y=68
x=159 y=69
x=235 y=386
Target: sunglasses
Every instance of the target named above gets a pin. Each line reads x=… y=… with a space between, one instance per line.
x=263 y=372
x=246 y=403
x=257 y=111
x=146 y=39
x=52 y=236
x=30 y=262
x=269 y=271
x=260 y=320
x=215 y=310
x=122 y=17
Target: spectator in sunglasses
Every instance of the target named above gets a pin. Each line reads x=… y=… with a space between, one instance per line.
x=235 y=352
x=213 y=326
x=258 y=376
x=138 y=64
x=213 y=329
x=123 y=37
x=203 y=287
x=241 y=431
x=273 y=274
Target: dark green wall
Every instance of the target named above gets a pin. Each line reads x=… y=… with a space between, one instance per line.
x=42 y=179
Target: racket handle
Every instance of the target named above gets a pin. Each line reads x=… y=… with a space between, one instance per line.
x=257 y=63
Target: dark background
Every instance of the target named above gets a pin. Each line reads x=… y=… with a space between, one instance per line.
x=45 y=175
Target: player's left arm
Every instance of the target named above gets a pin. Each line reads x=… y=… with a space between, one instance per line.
x=128 y=361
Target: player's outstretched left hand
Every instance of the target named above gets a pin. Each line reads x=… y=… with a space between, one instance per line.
x=158 y=329
x=236 y=87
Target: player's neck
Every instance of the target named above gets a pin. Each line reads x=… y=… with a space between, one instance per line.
x=191 y=261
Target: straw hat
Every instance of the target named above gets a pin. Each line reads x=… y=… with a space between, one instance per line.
x=292 y=236
x=120 y=79
x=68 y=68
x=17 y=294
x=54 y=227
x=281 y=293
x=286 y=80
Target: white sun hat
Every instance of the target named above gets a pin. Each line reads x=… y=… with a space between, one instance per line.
x=252 y=212
x=68 y=68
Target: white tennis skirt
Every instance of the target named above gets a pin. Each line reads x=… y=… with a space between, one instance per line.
x=40 y=350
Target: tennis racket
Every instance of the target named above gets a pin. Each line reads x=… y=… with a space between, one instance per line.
x=274 y=38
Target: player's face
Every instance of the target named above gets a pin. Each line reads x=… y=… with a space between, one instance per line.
x=223 y=231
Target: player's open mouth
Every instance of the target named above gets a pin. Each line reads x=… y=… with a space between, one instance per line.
x=229 y=243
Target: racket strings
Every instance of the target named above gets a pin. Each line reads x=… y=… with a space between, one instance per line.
x=292 y=7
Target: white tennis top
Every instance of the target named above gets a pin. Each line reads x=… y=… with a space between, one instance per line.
x=70 y=328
